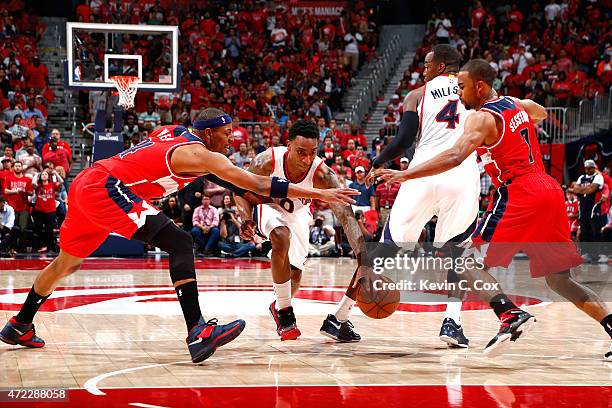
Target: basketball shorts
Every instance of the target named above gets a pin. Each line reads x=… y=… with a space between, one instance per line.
x=99 y=204
x=452 y=196
x=528 y=214
x=268 y=218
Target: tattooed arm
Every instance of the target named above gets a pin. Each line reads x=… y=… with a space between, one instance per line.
x=326 y=178
x=261 y=165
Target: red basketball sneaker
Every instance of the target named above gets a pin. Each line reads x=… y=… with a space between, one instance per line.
x=22 y=334
x=286 y=326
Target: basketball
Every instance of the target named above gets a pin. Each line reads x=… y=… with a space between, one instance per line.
x=378 y=304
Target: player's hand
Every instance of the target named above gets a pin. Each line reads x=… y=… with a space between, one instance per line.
x=365 y=278
x=247 y=230
x=369 y=180
x=391 y=176
x=342 y=196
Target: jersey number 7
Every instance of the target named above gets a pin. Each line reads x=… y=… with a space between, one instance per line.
x=449 y=115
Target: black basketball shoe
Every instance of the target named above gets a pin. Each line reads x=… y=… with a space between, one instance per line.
x=452 y=334
x=514 y=324
x=286 y=325
x=608 y=355
x=340 y=331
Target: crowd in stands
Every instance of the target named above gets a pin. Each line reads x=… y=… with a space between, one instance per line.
x=34 y=158
x=555 y=53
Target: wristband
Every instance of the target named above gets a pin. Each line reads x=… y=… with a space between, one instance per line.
x=279 y=187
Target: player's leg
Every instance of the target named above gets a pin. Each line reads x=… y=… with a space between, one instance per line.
x=204 y=337
x=19 y=329
x=457 y=203
x=281 y=309
x=337 y=326
x=296 y=280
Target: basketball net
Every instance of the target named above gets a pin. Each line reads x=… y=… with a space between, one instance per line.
x=126 y=87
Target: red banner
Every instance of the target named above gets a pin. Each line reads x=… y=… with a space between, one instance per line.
x=553 y=156
x=319 y=8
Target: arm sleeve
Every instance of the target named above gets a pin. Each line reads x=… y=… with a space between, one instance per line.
x=409 y=126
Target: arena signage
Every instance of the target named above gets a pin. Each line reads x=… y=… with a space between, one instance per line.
x=320 y=8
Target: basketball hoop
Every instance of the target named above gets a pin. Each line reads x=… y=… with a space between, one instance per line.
x=126 y=87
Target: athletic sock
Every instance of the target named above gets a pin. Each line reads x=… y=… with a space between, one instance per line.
x=188 y=298
x=29 y=308
x=500 y=304
x=283 y=294
x=344 y=308
x=453 y=309
x=607 y=324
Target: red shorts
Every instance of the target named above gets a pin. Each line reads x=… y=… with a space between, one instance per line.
x=528 y=215
x=99 y=204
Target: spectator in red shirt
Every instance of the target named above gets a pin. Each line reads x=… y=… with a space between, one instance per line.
x=46 y=185
x=199 y=97
x=561 y=89
x=37 y=74
x=350 y=150
x=239 y=134
x=564 y=63
x=385 y=195
x=478 y=15
x=572 y=205
x=515 y=20
x=604 y=70
x=17 y=188
x=61 y=145
x=359 y=159
x=59 y=157
x=340 y=167
x=359 y=138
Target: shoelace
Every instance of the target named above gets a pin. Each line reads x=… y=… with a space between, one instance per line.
x=350 y=324
x=286 y=318
x=212 y=322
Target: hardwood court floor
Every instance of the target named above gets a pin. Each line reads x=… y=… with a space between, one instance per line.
x=115 y=337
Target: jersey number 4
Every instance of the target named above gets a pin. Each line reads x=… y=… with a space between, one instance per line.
x=449 y=115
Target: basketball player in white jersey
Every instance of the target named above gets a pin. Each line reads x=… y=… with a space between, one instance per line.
x=434 y=118
x=286 y=224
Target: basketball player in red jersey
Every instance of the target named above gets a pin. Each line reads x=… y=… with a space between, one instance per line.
x=113 y=196
x=528 y=212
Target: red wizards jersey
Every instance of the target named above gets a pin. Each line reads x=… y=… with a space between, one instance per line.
x=517 y=152
x=145 y=168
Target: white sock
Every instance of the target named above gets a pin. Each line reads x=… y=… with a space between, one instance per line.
x=453 y=310
x=344 y=308
x=283 y=294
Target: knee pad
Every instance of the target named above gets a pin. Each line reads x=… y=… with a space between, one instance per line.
x=162 y=233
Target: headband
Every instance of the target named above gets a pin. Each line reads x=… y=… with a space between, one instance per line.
x=212 y=123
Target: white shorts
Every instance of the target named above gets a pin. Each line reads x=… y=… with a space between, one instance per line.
x=269 y=218
x=451 y=196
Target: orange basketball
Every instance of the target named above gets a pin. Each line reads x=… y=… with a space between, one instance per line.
x=380 y=303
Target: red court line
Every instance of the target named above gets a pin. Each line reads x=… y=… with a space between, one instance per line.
x=350 y=396
x=95 y=264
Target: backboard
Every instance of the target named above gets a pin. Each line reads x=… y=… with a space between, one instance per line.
x=95 y=52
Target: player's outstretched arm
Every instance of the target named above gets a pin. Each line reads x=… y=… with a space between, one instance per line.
x=480 y=128
x=195 y=159
x=406 y=134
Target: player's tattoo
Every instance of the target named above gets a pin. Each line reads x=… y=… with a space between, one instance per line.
x=262 y=166
x=326 y=178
